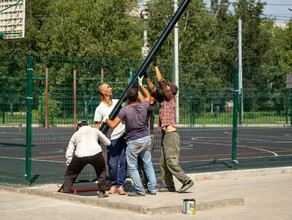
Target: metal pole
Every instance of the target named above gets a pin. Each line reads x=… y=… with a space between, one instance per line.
x=47 y=99
x=101 y=75
x=75 y=98
x=235 y=120
x=240 y=68
x=175 y=64
x=286 y=109
x=131 y=75
x=148 y=59
x=191 y=109
x=291 y=107
x=29 y=98
x=145 y=16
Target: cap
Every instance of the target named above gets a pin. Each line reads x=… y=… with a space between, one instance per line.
x=173 y=87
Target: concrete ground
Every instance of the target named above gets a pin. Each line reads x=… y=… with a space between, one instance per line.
x=239 y=194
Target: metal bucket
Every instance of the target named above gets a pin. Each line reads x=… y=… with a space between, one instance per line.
x=189 y=206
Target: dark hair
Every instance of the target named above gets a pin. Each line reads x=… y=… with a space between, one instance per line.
x=173 y=87
x=132 y=94
x=81 y=123
x=135 y=85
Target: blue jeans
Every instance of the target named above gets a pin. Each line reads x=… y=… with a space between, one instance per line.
x=116 y=160
x=141 y=147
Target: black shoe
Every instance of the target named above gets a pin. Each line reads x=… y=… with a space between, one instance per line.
x=165 y=189
x=186 y=186
x=135 y=194
x=102 y=194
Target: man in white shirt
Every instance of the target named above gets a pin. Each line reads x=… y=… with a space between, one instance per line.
x=84 y=149
x=116 y=152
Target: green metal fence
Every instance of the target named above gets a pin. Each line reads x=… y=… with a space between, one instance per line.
x=43 y=97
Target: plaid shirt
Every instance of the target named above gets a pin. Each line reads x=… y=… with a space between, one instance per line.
x=167 y=105
x=167 y=114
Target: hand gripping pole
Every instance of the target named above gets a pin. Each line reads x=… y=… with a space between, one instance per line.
x=148 y=59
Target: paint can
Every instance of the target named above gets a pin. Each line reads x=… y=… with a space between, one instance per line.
x=189 y=206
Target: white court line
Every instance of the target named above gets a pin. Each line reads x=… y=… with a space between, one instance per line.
x=254 y=148
x=260 y=149
x=51 y=152
x=266 y=138
x=282 y=142
x=36 y=158
x=14 y=158
x=17 y=158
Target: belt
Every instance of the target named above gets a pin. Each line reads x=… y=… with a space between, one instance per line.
x=165 y=132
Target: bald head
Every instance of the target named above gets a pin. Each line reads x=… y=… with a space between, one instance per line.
x=105 y=89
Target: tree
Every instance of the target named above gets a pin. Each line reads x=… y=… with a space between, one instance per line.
x=104 y=31
x=286 y=45
x=93 y=28
x=199 y=46
x=83 y=28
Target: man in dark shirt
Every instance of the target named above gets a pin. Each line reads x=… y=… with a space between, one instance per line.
x=138 y=139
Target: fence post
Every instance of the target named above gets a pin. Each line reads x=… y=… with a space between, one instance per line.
x=291 y=107
x=75 y=98
x=235 y=120
x=29 y=99
x=47 y=99
x=101 y=75
x=286 y=108
x=191 y=110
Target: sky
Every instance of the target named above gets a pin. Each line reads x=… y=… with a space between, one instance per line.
x=277 y=9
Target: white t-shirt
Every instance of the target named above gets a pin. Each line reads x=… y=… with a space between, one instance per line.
x=103 y=111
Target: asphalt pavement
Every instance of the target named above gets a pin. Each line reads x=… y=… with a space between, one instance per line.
x=237 y=194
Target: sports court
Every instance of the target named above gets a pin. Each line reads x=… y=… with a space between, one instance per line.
x=201 y=149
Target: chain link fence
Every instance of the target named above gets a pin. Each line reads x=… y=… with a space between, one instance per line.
x=65 y=90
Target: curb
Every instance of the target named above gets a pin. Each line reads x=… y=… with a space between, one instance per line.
x=203 y=206
x=159 y=209
x=240 y=173
x=124 y=206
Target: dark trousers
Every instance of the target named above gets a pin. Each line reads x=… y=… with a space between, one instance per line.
x=117 y=164
x=77 y=165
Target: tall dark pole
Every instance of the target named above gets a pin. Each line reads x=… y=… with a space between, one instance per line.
x=148 y=59
x=29 y=102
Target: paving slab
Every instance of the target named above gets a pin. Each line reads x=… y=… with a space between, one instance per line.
x=211 y=191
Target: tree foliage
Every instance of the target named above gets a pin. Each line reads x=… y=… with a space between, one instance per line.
x=208 y=40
